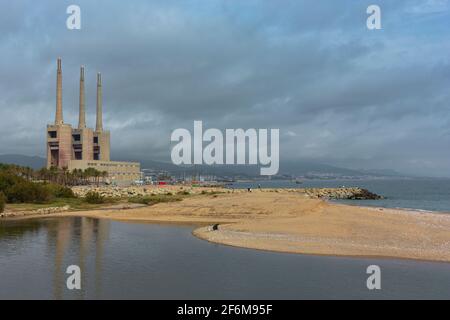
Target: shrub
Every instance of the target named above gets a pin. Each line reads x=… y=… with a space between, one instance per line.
x=2 y=202
x=94 y=197
x=19 y=190
x=211 y=193
x=7 y=180
x=28 y=192
x=154 y=199
x=59 y=191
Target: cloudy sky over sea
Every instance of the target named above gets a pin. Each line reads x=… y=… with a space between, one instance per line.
x=340 y=93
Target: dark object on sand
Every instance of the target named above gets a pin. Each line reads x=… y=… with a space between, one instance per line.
x=215 y=227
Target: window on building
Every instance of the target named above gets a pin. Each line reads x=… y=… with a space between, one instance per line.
x=52 y=134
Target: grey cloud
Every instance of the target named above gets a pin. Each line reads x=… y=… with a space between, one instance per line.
x=339 y=93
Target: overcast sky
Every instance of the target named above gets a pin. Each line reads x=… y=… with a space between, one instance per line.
x=339 y=93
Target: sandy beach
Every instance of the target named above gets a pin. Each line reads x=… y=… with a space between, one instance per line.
x=287 y=221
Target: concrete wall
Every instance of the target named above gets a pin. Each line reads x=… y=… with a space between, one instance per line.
x=64 y=142
x=104 y=145
x=119 y=172
x=87 y=139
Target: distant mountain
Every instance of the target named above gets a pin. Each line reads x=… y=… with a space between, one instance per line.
x=34 y=162
x=383 y=172
x=302 y=167
x=292 y=168
x=224 y=170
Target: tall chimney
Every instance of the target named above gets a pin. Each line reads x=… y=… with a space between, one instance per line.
x=99 y=125
x=82 y=117
x=59 y=114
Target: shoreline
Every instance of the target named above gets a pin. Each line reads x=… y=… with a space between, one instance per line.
x=73 y=213
x=393 y=209
x=379 y=208
x=290 y=222
x=311 y=254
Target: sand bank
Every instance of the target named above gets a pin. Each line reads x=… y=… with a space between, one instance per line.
x=293 y=222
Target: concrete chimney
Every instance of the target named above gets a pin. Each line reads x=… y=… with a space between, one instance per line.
x=99 y=124
x=59 y=112
x=82 y=117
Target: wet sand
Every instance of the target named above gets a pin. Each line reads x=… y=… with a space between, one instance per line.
x=291 y=222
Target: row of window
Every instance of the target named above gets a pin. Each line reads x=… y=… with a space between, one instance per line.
x=113 y=165
x=76 y=137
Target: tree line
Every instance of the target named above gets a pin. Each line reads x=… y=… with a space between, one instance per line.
x=25 y=185
x=56 y=175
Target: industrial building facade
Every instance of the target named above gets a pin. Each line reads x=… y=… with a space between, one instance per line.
x=83 y=147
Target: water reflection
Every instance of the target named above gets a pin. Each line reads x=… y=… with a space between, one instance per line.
x=144 y=261
x=69 y=241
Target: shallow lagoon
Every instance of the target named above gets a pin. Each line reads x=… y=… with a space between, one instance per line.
x=148 y=261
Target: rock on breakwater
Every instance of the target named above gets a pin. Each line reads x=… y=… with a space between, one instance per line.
x=342 y=193
x=41 y=211
x=352 y=193
x=142 y=191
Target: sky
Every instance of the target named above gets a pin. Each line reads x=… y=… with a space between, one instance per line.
x=339 y=93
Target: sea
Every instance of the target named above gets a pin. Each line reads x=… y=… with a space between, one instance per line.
x=425 y=194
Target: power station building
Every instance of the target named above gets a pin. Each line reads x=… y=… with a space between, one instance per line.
x=83 y=147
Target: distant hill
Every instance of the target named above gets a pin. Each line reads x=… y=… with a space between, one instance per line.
x=308 y=167
x=295 y=168
x=383 y=172
x=34 y=162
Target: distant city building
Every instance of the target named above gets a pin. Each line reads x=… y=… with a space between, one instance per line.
x=84 y=147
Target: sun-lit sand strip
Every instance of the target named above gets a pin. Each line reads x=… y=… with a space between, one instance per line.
x=292 y=222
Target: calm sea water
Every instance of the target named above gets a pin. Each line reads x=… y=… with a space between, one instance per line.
x=145 y=261
x=423 y=194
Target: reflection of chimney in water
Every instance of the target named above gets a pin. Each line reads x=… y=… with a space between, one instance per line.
x=86 y=230
x=102 y=234
x=63 y=235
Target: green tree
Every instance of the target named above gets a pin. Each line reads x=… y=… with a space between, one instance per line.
x=94 y=197
x=2 y=202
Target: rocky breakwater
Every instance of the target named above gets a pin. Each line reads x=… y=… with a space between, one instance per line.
x=36 y=212
x=342 y=194
x=120 y=192
x=141 y=191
